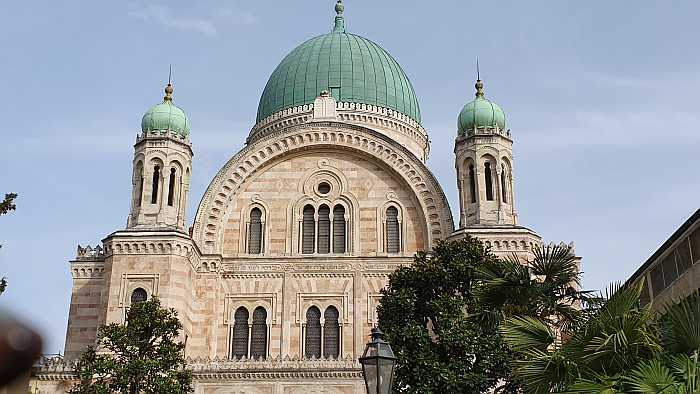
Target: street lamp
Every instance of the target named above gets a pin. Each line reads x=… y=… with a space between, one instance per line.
x=378 y=363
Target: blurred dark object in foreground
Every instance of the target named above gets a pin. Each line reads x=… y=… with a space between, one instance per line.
x=20 y=347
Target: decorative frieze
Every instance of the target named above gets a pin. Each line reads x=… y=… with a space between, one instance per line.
x=81 y=270
x=272 y=368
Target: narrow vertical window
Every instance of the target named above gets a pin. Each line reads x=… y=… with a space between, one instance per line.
x=156 y=180
x=258 y=337
x=255 y=232
x=312 y=338
x=393 y=244
x=139 y=295
x=324 y=229
x=171 y=188
x=489 y=181
x=308 y=229
x=140 y=196
x=240 y=333
x=331 y=333
x=138 y=183
x=504 y=193
x=339 y=229
x=472 y=183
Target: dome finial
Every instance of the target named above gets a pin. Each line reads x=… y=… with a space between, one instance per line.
x=479 y=84
x=339 y=19
x=169 y=88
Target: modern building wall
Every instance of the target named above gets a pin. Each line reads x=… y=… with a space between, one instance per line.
x=672 y=272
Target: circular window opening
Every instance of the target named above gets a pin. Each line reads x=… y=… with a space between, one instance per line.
x=324 y=188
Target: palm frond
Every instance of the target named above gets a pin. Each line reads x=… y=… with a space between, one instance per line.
x=653 y=377
x=686 y=369
x=541 y=372
x=680 y=326
x=526 y=333
x=556 y=263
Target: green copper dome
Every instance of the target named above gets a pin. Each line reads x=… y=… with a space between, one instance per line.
x=166 y=116
x=481 y=112
x=352 y=68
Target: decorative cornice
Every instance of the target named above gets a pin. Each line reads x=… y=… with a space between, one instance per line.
x=485 y=131
x=225 y=369
x=80 y=270
x=161 y=134
x=349 y=112
x=309 y=269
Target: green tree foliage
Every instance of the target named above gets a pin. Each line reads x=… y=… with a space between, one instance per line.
x=141 y=356
x=618 y=347
x=7 y=205
x=426 y=313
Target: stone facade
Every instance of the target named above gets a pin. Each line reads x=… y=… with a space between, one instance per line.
x=277 y=281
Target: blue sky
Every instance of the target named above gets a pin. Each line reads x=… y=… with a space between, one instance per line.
x=602 y=99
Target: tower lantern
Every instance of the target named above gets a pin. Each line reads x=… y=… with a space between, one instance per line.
x=162 y=167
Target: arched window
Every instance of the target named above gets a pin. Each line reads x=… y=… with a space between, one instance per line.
x=393 y=243
x=138 y=295
x=504 y=192
x=139 y=184
x=258 y=337
x=331 y=333
x=240 y=333
x=154 y=187
x=489 y=181
x=312 y=339
x=339 y=229
x=472 y=183
x=308 y=229
x=255 y=228
x=324 y=229
x=171 y=188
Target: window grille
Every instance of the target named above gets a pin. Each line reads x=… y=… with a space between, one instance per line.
x=489 y=181
x=258 y=338
x=683 y=256
x=138 y=295
x=312 y=338
x=240 y=333
x=324 y=230
x=331 y=333
x=695 y=245
x=670 y=271
x=308 y=230
x=657 y=280
x=339 y=229
x=255 y=236
x=644 y=297
x=393 y=244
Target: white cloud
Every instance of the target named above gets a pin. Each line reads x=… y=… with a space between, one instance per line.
x=206 y=25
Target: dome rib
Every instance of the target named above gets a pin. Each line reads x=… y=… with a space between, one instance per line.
x=354 y=69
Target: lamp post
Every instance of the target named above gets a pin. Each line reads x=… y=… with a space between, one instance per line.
x=378 y=363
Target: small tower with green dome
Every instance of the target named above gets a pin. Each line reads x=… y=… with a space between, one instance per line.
x=484 y=162
x=162 y=167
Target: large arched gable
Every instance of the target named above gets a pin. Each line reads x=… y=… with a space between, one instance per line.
x=212 y=208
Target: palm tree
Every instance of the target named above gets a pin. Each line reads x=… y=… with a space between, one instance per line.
x=617 y=347
x=546 y=288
